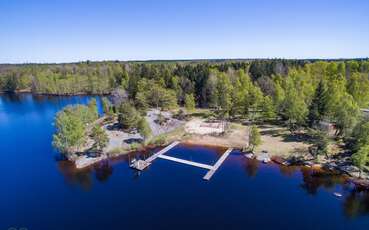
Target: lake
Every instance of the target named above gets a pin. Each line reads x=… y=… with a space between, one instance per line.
x=41 y=191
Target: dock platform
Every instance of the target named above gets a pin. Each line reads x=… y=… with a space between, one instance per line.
x=139 y=165
x=142 y=164
x=220 y=161
x=164 y=150
x=200 y=165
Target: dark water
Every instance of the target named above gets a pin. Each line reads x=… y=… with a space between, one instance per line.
x=38 y=191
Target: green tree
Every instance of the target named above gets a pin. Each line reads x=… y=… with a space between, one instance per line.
x=107 y=106
x=254 y=137
x=254 y=102
x=224 y=94
x=189 y=102
x=128 y=116
x=92 y=106
x=279 y=97
x=321 y=143
x=268 y=108
x=361 y=157
x=70 y=131
x=361 y=135
x=346 y=115
x=295 y=109
x=318 y=107
x=100 y=137
x=358 y=87
x=210 y=90
x=153 y=94
x=144 y=129
x=141 y=102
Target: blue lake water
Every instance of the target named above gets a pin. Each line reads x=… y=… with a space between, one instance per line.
x=40 y=191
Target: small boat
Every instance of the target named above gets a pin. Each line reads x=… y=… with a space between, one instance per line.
x=337 y=194
x=263 y=157
x=249 y=155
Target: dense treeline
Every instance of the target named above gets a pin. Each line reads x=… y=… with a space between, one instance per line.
x=206 y=81
x=303 y=93
x=102 y=77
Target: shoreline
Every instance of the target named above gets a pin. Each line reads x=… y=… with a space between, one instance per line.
x=54 y=94
x=275 y=159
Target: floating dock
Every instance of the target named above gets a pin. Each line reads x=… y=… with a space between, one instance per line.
x=204 y=166
x=164 y=150
x=142 y=164
x=139 y=165
x=220 y=161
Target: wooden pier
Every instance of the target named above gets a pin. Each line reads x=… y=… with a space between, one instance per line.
x=164 y=150
x=220 y=161
x=204 y=166
x=141 y=165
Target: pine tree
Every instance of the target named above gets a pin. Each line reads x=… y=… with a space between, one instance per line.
x=100 y=137
x=318 y=106
x=254 y=137
x=128 y=116
x=144 y=128
x=189 y=102
x=361 y=157
x=92 y=106
x=107 y=107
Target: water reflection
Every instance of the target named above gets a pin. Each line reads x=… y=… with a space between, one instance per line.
x=76 y=177
x=84 y=177
x=252 y=167
x=288 y=171
x=355 y=202
x=103 y=171
x=314 y=179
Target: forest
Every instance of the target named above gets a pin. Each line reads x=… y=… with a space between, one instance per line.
x=301 y=93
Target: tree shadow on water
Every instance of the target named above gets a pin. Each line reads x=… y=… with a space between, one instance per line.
x=356 y=204
x=103 y=171
x=315 y=179
x=252 y=167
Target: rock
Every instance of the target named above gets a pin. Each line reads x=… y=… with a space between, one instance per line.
x=249 y=155
x=278 y=160
x=266 y=160
x=350 y=170
x=264 y=157
x=363 y=184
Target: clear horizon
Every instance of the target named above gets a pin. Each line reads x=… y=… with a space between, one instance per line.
x=65 y=31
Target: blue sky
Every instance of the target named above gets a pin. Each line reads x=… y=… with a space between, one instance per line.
x=66 y=31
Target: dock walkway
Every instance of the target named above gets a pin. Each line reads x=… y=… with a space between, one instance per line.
x=210 y=173
x=164 y=150
x=140 y=165
x=204 y=166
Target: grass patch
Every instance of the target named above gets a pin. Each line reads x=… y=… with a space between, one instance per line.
x=166 y=138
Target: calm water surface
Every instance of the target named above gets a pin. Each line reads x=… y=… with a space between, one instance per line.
x=40 y=191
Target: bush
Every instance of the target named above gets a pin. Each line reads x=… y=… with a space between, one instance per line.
x=144 y=128
x=180 y=115
x=128 y=116
x=159 y=140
